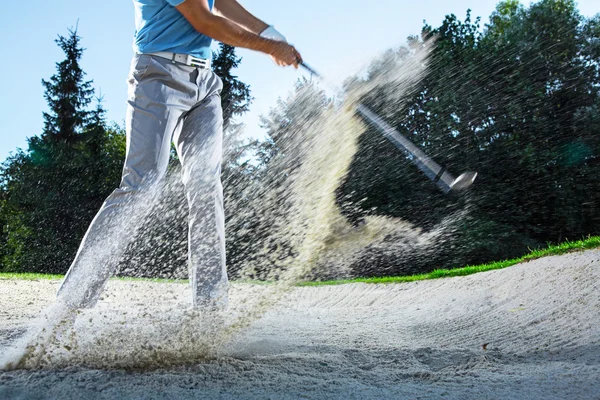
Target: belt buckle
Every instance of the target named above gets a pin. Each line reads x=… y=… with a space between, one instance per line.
x=197 y=62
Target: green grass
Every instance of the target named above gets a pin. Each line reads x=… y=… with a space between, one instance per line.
x=566 y=247
x=30 y=276
x=26 y=276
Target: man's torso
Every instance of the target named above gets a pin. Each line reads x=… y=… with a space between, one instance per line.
x=160 y=27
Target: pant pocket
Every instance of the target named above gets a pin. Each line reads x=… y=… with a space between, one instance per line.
x=139 y=66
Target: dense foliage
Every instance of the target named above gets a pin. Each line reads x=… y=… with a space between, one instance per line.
x=52 y=191
x=517 y=101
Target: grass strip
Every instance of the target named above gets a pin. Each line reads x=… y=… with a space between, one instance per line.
x=28 y=276
x=591 y=242
x=554 y=250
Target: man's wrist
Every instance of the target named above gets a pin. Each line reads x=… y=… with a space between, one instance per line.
x=267 y=46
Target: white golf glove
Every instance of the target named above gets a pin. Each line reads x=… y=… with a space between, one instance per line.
x=273 y=34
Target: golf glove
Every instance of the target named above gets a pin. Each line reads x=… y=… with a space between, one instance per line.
x=273 y=34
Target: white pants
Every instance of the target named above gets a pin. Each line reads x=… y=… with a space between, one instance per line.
x=167 y=103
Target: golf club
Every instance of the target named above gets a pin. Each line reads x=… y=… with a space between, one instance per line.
x=438 y=174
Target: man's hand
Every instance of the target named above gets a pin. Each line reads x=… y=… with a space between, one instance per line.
x=284 y=54
x=272 y=33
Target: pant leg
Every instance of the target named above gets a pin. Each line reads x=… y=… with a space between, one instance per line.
x=158 y=97
x=199 y=146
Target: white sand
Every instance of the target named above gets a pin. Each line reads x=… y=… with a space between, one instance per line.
x=540 y=321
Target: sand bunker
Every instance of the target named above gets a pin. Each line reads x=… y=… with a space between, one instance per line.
x=528 y=332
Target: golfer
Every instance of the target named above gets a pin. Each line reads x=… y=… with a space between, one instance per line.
x=175 y=97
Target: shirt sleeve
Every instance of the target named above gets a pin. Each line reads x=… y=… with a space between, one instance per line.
x=175 y=3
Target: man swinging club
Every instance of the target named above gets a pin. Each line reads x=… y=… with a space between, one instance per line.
x=175 y=97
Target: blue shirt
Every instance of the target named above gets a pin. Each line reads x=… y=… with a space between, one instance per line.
x=160 y=27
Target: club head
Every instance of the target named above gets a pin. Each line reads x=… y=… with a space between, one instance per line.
x=463 y=181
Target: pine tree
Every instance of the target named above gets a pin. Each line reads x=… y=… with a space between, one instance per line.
x=67 y=94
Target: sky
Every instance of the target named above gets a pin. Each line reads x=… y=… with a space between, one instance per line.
x=336 y=37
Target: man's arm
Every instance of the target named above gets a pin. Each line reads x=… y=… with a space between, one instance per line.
x=198 y=13
x=234 y=11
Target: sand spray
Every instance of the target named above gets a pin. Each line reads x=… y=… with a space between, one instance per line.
x=307 y=238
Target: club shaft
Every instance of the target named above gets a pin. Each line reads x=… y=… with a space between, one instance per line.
x=426 y=164
x=311 y=70
x=430 y=168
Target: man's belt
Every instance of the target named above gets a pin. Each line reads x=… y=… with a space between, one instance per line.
x=183 y=59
